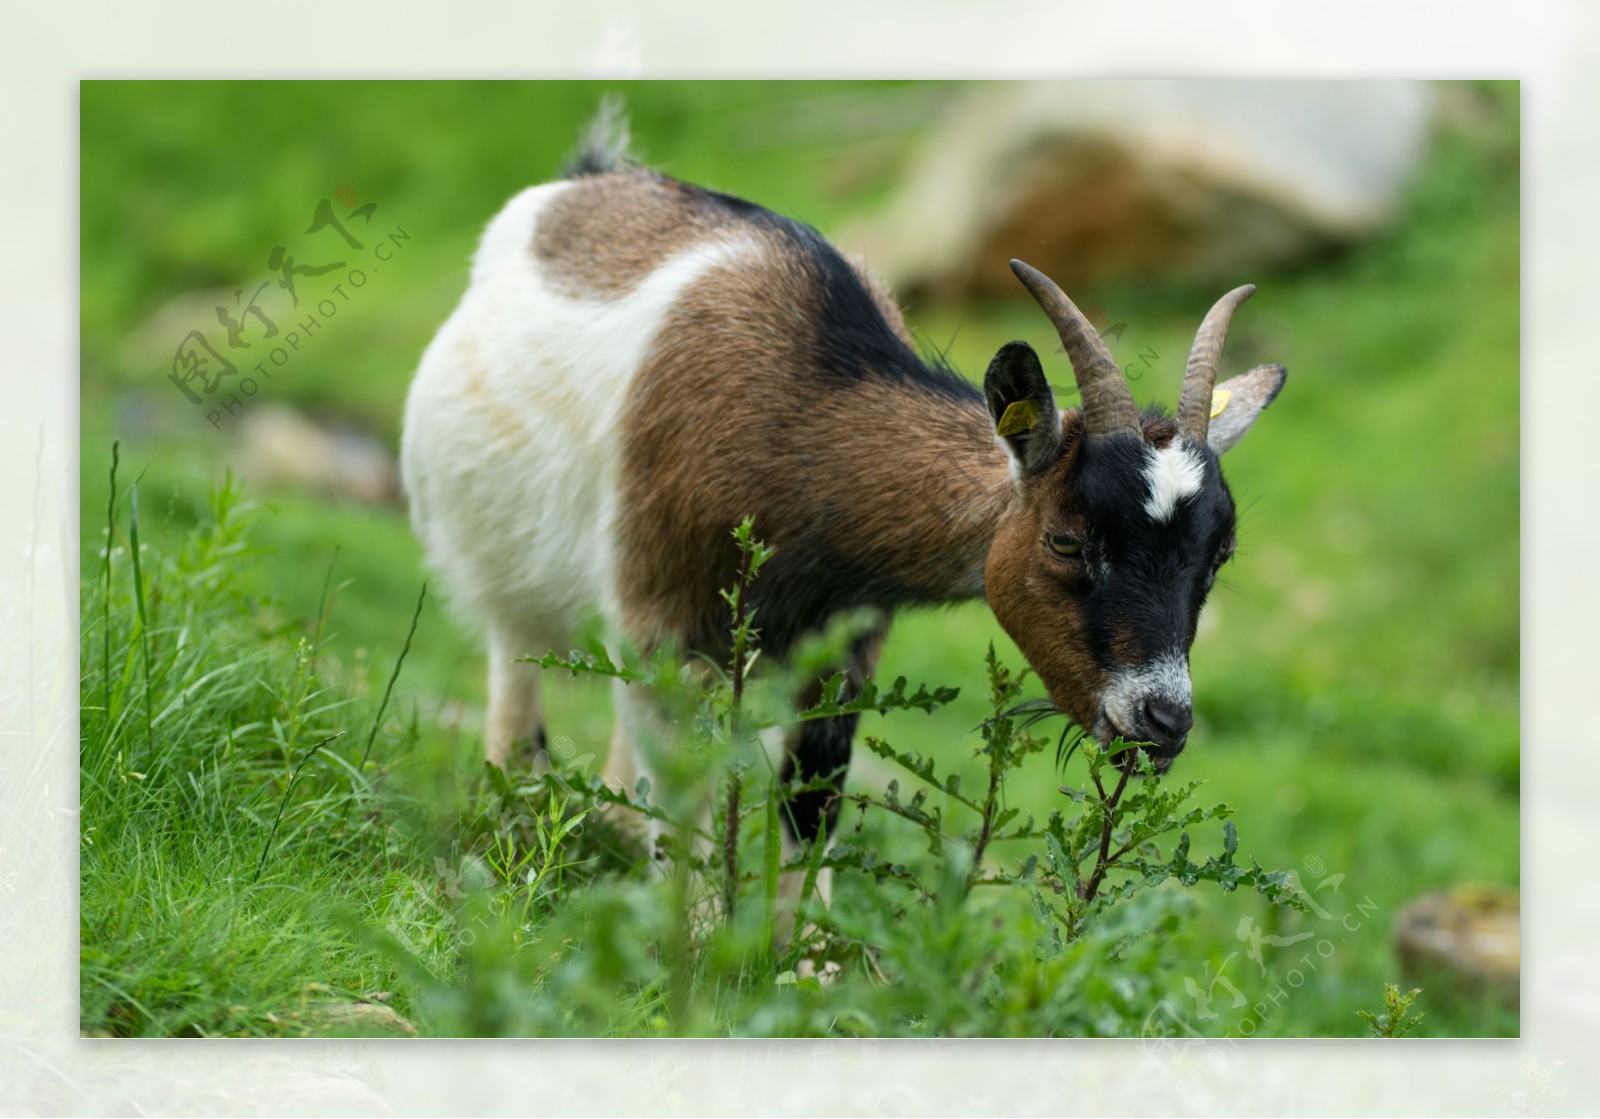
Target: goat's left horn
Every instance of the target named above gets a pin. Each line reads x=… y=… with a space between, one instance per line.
x=1200 y=378
x=1107 y=402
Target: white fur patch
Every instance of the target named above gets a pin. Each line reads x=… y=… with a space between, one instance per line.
x=1174 y=473
x=512 y=438
x=1012 y=460
x=1165 y=678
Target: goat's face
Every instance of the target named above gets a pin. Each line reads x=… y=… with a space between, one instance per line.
x=1116 y=528
x=1098 y=570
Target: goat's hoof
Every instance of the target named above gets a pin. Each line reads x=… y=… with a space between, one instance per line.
x=827 y=973
x=531 y=756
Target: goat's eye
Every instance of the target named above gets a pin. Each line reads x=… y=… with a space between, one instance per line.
x=1216 y=565
x=1063 y=545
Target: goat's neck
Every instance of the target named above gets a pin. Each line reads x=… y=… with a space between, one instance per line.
x=945 y=482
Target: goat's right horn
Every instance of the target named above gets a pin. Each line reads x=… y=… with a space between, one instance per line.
x=1107 y=403
x=1200 y=377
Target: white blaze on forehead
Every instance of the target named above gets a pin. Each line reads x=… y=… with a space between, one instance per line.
x=1174 y=473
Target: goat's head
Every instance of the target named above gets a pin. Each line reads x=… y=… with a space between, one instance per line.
x=1117 y=523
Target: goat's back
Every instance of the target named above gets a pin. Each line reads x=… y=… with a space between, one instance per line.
x=569 y=402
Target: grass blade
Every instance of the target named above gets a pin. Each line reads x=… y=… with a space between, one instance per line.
x=393 y=676
x=284 y=803
x=772 y=859
x=144 y=620
x=105 y=612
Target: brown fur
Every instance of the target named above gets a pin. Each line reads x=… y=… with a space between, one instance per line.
x=714 y=434
x=1026 y=584
x=609 y=232
x=503 y=425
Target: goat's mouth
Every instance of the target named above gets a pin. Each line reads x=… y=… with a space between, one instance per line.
x=1101 y=728
x=1161 y=756
x=1160 y=763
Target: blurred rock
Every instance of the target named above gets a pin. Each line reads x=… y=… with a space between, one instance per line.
x=281 y=447
x=1199 y=181
x=1467 y=939
x=369 y=1018
x=156 y=339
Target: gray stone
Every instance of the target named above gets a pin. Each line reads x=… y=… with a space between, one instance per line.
x=1200 y=181
x=1468 y=937
x=279 y=446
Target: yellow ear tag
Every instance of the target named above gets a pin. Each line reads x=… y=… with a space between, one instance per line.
x=1019 y=416
x=1219 y=401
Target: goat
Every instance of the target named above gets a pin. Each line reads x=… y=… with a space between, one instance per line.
x=638 y=363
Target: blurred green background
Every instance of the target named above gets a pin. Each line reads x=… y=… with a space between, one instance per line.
x=1356 y=674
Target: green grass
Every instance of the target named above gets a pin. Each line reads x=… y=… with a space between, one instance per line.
x=1356 y=677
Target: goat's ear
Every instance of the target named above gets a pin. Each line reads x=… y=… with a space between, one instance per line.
x=1022 y=408
x=1237 y=402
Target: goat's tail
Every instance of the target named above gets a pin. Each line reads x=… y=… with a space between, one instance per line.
x=603 y=144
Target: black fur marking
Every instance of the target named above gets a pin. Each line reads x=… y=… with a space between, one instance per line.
x=589 y=161
x=852 y=338
x=1015 y=375
x=1156 y=573
x=603 y=145
x=812 y=585
x=823 y=751
x=1283 y=379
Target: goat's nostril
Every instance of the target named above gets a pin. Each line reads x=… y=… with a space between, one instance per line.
x=1170 y=720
